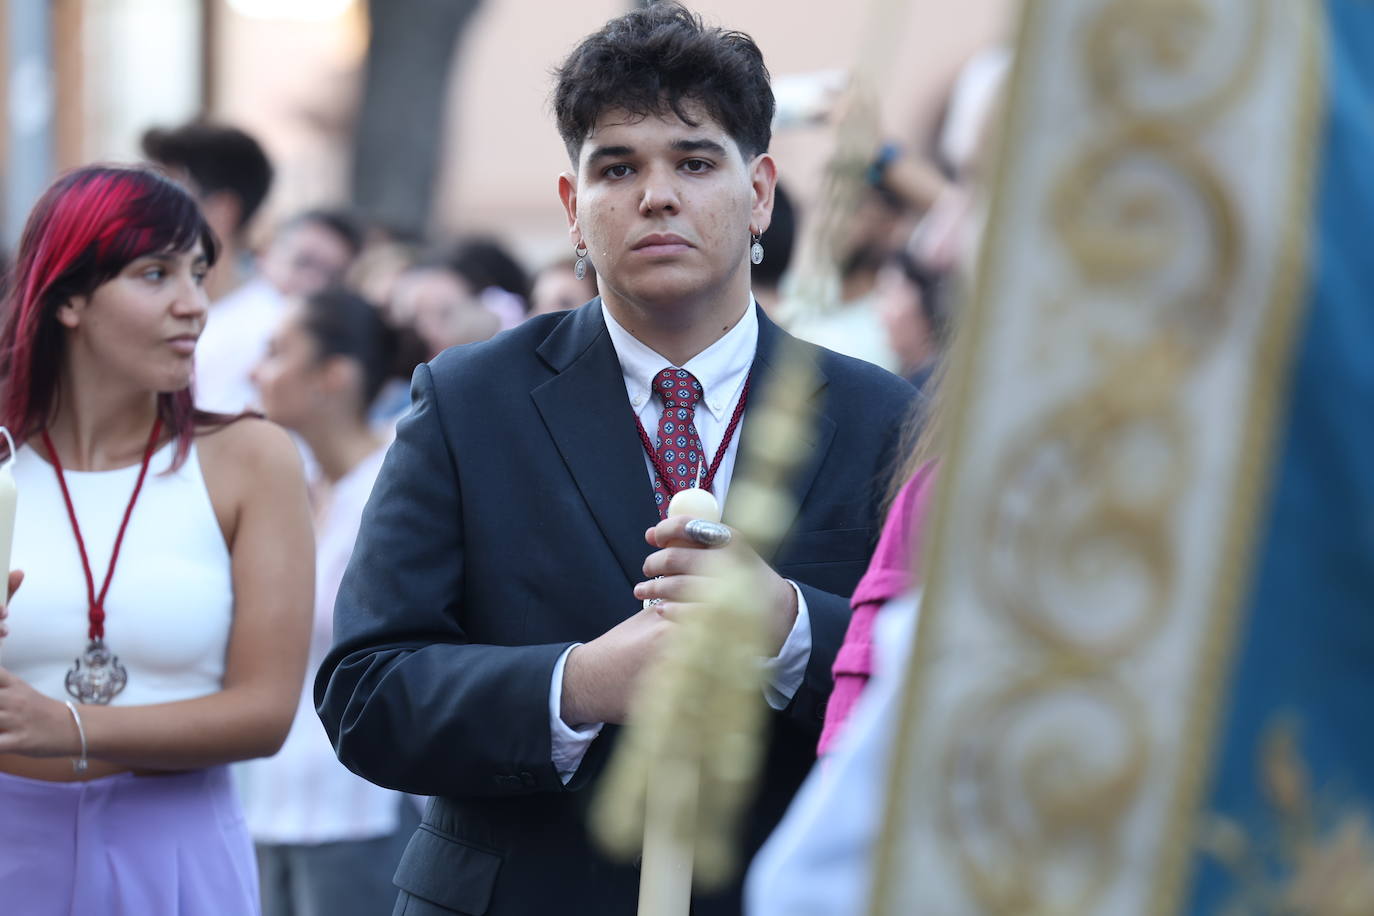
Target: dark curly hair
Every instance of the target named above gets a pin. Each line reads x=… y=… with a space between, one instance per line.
x=217 y=157
x=662 y=58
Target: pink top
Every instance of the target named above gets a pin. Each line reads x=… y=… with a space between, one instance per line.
x=890 y=572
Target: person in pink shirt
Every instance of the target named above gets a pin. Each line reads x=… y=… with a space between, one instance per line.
x=893 y=569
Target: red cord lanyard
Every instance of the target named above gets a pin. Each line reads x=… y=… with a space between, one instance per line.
x=710 y=477
x=96 y=614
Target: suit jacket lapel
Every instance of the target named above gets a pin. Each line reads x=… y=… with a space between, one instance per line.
x=816 y=440
x=587 y=413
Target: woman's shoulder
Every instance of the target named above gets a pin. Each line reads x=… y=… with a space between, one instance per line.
x=252 y=445
x=249 y=464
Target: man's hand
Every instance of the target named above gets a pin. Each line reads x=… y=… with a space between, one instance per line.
x=679 y=568
x=600 y=676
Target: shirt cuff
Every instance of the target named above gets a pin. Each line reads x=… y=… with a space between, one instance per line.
x=785 y=671
x=569 y=745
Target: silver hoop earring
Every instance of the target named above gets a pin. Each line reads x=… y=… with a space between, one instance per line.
x=756 y=251
x=580 y=268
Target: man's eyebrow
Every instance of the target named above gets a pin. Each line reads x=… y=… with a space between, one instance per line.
x=686 y=145
x=609 y=152
x=698 y=145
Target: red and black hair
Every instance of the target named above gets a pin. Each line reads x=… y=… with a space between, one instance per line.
x=87 y=227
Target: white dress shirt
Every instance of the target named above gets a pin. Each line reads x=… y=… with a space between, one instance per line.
x=721 y=369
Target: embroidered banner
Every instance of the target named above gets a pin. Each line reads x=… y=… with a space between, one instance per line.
x=1113 y=406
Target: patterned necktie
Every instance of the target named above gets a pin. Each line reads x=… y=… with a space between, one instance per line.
x=679 y=447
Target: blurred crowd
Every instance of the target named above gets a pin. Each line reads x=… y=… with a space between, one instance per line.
x=431 y=293
x=892 y=260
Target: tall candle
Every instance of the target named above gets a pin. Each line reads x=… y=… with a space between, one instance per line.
x=9 y=497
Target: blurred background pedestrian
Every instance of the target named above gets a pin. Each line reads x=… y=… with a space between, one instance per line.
x=327 y=841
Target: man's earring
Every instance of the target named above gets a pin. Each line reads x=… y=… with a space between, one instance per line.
x=756 y=250
x=580 y=268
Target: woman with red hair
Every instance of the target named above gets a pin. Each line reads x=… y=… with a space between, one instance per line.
x=160 y=632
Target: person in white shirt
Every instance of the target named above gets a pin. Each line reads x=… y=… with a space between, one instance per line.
x=853 y=326
x=309 y=253
x=229 y=174
x=327 y=840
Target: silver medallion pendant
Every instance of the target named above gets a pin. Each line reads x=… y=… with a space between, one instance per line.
x=97 y=675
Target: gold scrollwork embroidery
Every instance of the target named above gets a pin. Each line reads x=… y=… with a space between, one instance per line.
x=1119 y=212
x=1024 y=791
x=1081 y=558
x=1070 y=511
x=1141 y=56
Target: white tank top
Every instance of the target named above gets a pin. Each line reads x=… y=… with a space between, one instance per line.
x=170 y=604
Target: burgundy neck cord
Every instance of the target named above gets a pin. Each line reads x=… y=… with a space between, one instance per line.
x=96 y=614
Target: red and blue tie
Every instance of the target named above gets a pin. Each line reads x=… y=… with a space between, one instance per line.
x=679 y=447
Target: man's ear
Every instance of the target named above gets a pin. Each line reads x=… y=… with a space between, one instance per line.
x=763 y=178
x=567 y=192
x=223 y=211
x=339 y=373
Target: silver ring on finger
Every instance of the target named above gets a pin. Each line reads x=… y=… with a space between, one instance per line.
x=708 y=534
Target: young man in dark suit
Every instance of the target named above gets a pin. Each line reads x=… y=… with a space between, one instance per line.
x=490 y=629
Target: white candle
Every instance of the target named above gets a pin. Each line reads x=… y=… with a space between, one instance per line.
x=9 y=497
x=696 y=503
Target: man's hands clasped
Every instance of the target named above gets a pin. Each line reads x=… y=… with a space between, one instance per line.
x=679 y=569
x=600 y=676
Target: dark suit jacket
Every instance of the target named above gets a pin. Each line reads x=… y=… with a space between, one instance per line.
x=508 y=523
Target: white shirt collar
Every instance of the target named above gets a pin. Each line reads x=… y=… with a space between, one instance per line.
x=721 y=368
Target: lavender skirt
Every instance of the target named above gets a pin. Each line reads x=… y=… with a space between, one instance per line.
x=126 y=845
